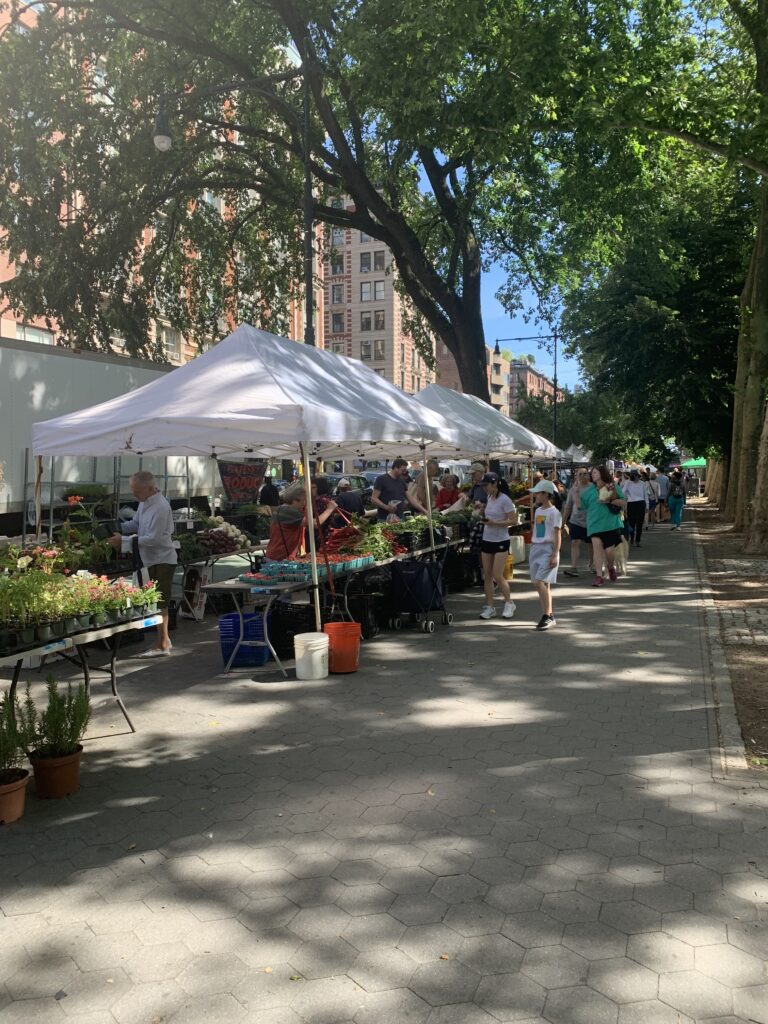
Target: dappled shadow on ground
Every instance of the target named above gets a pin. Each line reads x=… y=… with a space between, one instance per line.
x=486 y=823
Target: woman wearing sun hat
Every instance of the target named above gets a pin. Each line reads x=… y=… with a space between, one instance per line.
x=544 y=557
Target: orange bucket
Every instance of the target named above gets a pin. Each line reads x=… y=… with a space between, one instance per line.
x=343 y=646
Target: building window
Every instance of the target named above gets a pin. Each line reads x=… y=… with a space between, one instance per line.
x=365 y=291
x=337 y=264
x=413 y=358
x=337 y=323
x=402 y=380
x=378 y=259
x=365 y=263
x=365 y=321
x=36 y=334
x=378 y=289
x=402 y=354
x=338 y=348
x=365 y=349
x=338 y=236
x=379 y=320
x=379 y=370
x=496 y=369
x=337 y=294
x=169 y=340
x=378 y=349
x=417 y=385
x=364 y=237
x=496 y=389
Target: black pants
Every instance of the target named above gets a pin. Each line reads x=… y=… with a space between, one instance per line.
x=635 y=520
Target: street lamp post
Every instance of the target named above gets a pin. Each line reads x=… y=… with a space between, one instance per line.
x=542 y=337
x=163 y=142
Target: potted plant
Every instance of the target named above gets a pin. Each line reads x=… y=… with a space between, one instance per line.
x=8 y=628
x=52 y=738
x=13 y=776
x=21 y=609
x=150 y=597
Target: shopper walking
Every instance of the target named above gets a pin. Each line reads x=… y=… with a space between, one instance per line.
x=676 y=499
x=663 y=481
x=652 y=488
x=544 y=557
x=637 y=506
x=603 y=502
x=576 y=519
x=500 y=514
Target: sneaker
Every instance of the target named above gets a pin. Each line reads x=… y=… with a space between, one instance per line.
x=570 y=572
x=598 y=581
x=488 y=612
x=613 y=575
x=509 y=610
x=545 y=622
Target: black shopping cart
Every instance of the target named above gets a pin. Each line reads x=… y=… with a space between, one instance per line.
x=417 y=590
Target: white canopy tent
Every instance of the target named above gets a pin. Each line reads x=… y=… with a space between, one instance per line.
x=577 y=454
x=256 y=394
x=500 y=437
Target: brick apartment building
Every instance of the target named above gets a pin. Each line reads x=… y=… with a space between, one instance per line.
x=525 y=380
x=363 y=310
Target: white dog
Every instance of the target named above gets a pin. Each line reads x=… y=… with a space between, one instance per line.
x=621 y=557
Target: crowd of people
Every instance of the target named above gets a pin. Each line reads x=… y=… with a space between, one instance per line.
x=602 y=511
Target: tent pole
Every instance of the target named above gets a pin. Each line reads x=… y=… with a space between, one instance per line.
x=212 y=495
x=311 y=535
x=428 y=494
x=24 y=499
x=38 y=496
x=53 y=491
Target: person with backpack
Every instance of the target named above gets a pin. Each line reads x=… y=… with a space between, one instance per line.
x=676 y=499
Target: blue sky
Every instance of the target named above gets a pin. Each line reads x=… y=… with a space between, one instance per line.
x=498 y=324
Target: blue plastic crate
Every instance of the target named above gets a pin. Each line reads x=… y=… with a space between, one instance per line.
x=253 y=629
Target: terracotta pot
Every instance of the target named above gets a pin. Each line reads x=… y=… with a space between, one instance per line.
x=56 y=776
x=12 y=796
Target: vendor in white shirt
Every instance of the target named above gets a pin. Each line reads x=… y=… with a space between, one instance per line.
x=636 y=494
x=153 y=527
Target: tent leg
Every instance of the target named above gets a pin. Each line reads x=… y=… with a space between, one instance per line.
x=24 y=499
x=311 y=535
x=53 y=491
x=428 y=493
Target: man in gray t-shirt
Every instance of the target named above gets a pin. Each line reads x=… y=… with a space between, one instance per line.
x=389 y=491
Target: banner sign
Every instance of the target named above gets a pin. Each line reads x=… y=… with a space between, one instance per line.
x=241 y=480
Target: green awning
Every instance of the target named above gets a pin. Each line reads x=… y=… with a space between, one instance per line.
x=693 y=464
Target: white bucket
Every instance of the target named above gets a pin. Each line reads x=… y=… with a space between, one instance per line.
x=311 y=651
x=517 y=548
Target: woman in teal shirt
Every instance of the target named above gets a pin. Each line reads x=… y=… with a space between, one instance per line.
x=603 y=502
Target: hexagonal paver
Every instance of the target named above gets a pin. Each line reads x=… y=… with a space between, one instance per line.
x=362 y=900
x=555 y=967
x=623 y=980
x=630 y=917
x=651 y=1011
x=358 y=872
x=530 y=854
x=497 y=870
x=579 y=1005
x=664 y=897
x=382 y=969
x=570 y=907
x=638 y=870
x=533 y=929
x=693 y=877
x=693 y=993
x=446 y=862
x=427 y=942
x=46 y=979
x=374 y=930
x=731 y=966
x=475 y=918
x=444 y=981
x=95 y=990
x=747 y=886
x=269 y=947
x=514 y=897
x=214 y=972
x=312 y=865
x=490 y=954
x=461 y=1013
x=418 y=908
x=693 y=928
x=398 y=1006
x=512 y=996
x=752 y=1003
x=314 y=892
x=408 y=880
x=660 y=952
x=323 y=958
x=594 y=940
x=327 y=1000
x=319 y=922
x=167 y=960
x=459 y=888
x=751 y=936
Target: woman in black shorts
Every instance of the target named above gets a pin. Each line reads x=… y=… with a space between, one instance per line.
x=499 y=515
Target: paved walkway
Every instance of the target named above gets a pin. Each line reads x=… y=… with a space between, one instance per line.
x=488 y=824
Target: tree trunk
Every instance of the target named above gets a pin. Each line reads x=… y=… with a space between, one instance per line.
x=754 y=387
x=742 y=369
x=757 y=531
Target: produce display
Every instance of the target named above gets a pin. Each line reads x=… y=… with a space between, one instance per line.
x=220 y=538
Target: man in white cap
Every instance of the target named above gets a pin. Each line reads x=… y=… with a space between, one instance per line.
x=347 y=499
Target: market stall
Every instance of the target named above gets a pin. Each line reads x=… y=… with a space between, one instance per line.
x=256 y=394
